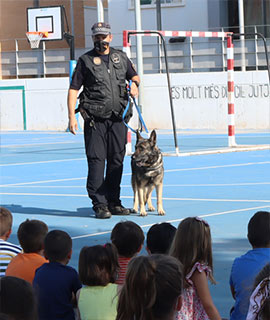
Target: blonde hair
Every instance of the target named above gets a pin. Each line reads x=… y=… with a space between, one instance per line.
x=5 y=221
x=192 y=243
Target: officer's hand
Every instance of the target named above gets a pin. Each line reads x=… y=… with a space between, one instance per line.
x=73 y=125
x=134 y=90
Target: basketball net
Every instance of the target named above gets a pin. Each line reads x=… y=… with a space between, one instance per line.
x=35 y=37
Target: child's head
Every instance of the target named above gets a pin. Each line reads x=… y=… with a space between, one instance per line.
x=152 y=289
x=58 y=246
x=5 y=223
x=31 y=235
x=259 y=307
x=18 y=300
x=192 y=243
x=98 y=265
x=259 y=230
x=128 y=238
x=159 y=238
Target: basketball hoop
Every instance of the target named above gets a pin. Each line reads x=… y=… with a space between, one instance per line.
x=35 y=37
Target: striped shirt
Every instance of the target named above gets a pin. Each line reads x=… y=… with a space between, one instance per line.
x=122 y=270
x=7 y=252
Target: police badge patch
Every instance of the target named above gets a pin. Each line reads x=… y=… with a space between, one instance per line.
x=115 y=58
x=97 y=61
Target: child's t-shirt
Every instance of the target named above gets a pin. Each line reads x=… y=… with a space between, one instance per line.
x=243 y=273
x=122 y=270
x=192 y=307
x=55 y=284
x=7 y=252
x=98 y=302
x=24 y=266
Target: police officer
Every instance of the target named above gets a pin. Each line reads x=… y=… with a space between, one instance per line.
x=102 y=72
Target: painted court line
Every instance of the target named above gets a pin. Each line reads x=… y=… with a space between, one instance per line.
x=30 y=184
x=129 y=197
x=22 y=185
x=125 y=174
x=168 y=170
x=38 y=162
x=37 y=144
x=175 y=220
x=42 y=181
x=217 y=167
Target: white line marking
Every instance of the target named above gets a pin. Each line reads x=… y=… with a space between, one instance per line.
x=52 y=187
x=130 y=197
x=215 y=167
x=128 y=174
x=38 y=162
x=22 y=185
x=210 y=184
x=215 y=200
x=42 y=181
x=37 y=144
x=176 y=220
x=43 y=194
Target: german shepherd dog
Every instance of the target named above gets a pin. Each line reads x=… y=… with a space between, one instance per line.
x=147 y=174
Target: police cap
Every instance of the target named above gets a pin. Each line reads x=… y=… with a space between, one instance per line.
x=101 y=28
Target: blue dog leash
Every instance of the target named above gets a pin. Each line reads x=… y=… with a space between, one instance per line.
x=138 y=110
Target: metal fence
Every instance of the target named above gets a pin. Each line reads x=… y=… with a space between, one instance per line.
x=184 y=55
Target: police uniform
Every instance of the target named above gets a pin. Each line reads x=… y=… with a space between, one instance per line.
x=103 y=100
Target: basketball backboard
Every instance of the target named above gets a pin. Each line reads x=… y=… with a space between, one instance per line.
x=46 y=19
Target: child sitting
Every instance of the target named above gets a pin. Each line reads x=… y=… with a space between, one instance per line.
x=159 y=238
x=7 y=249
x=152 y=289
x=18 y=301
x=193 y=247
x=128 y=238
x=246 y=267
x=56 y=283
x=97 y=300
x=259 y=305
x=31 y=234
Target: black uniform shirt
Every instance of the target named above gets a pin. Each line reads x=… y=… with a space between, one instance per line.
x=78 y=75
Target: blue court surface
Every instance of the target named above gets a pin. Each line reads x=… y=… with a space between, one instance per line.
x=43 y=176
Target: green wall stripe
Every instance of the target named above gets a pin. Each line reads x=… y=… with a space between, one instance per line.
x=23 y=100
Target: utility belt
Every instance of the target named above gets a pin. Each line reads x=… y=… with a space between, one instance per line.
x=93 y=119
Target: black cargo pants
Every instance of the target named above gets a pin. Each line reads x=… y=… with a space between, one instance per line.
x=105 y=145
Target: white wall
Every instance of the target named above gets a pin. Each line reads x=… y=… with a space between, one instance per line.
x=192 y=16
x=45 y=101
x=198 y=102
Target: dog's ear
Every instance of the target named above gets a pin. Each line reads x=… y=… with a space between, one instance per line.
x=153 y=138
x=139 y=137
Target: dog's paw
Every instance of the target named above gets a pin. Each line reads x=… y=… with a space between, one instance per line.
x=143 y=213
x=151 y=208
x=161 y=212
x=133 y=210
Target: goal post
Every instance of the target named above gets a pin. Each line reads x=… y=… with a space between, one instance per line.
x=199 y=34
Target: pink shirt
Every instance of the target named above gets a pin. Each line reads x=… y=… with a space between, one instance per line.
x=192 y=307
